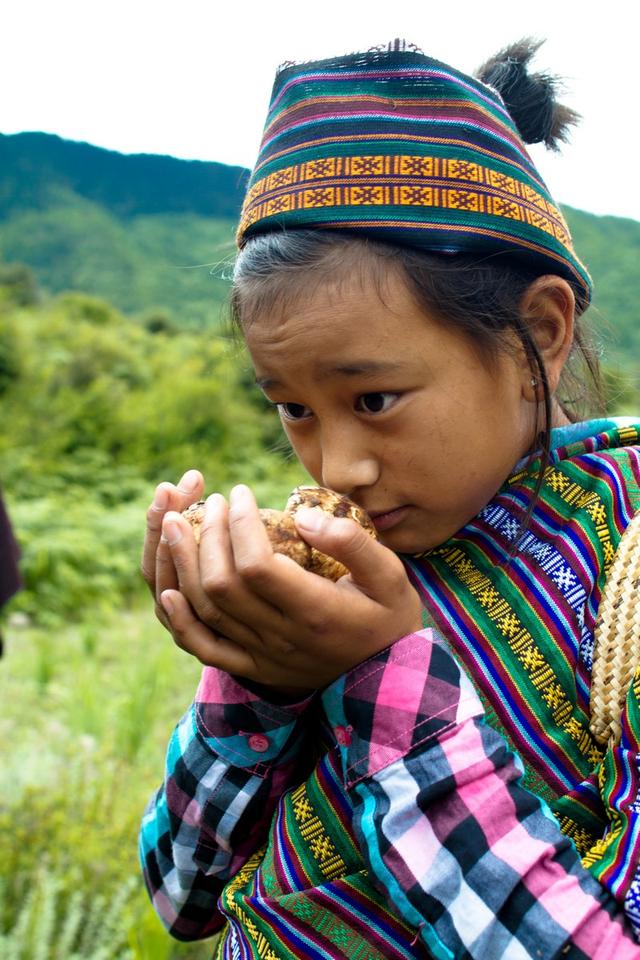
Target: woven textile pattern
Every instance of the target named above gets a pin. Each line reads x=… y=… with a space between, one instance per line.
x=617 y=653
x=400 y=147
x=525 y=631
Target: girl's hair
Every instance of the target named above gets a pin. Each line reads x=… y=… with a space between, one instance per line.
x=530 y=98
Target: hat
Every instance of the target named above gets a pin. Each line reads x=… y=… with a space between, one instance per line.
x=397 y=146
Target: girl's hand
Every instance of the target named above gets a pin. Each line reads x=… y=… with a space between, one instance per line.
x=157 y=566
x=255 y=613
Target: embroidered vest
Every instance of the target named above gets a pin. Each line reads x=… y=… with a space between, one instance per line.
x=523 y=627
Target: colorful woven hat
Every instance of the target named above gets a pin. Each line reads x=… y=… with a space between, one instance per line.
x=397 y=146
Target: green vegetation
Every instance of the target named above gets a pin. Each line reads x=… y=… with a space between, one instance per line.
x=97 y=408
x=86 y=714
x=172 y=263
x=37 y=166
x=610 y=246
x=146 y=233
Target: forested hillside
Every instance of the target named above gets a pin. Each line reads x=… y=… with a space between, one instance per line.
x=155 y=235
x=38 y=167
x=150 y=234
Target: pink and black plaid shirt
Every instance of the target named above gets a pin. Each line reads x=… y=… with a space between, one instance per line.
x=465 y=854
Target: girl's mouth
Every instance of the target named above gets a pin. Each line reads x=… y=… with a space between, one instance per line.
x=384 y=521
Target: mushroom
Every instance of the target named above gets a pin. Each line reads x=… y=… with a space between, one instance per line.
x=284 y=535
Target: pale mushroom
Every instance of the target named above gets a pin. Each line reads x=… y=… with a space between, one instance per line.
x=284 y=535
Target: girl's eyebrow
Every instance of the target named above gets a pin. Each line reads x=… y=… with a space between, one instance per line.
x=354 y=369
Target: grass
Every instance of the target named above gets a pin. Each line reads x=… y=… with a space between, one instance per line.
x=87 y=713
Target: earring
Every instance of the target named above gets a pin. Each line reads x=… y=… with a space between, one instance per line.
x=534 y=382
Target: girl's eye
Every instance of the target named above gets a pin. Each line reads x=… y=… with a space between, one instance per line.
x=375 y=402
x=293 y=411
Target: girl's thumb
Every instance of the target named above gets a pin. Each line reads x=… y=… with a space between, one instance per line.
x=340 y=538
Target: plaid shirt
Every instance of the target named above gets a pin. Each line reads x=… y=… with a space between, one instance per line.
x=465 y=854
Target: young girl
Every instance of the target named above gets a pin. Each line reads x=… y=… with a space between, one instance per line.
x=400 y=764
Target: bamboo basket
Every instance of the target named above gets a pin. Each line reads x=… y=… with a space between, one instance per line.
x=617 y=638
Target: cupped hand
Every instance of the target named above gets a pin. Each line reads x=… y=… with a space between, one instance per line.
x=157 y=566
x=241 y=607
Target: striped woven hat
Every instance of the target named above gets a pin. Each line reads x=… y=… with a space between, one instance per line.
x=397 y=146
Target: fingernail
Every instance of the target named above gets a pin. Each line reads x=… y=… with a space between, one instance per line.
x=310 y=519
x=211 y=504
x=238 y=494
x=161 y=498
x=165 y=600
x=189 y=481
x=172 y=532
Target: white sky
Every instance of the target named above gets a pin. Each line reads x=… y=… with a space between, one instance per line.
x=192 y=78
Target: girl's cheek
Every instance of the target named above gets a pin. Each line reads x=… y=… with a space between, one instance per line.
x=297 y=444
x=310 y=456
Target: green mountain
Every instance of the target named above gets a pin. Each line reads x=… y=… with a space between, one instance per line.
x=610 y=247
x=155 y=234
x=36 y=167
x=150 y=234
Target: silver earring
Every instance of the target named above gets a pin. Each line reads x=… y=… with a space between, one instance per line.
x=534 y=382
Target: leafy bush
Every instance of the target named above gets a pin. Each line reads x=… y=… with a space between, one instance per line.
x=10 y=349
x=19 y=284
x=78 y=557
x=96 y=411
x=92 y=381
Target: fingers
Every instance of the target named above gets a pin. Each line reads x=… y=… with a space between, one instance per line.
x=215 y=543
x=252 y=550
x=167 y=497
x=175 y=530
x=152 y=535
x=255 y=613
x=374 y=568
x=209 y=580
x=278 y=580
x=210 y=648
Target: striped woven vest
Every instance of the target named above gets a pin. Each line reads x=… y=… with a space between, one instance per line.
x=523 y=628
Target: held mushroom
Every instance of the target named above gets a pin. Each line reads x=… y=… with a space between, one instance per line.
x=282 y=530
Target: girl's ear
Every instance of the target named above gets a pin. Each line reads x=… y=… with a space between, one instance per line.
x=548 y=310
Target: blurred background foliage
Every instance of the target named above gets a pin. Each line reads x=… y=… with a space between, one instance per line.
x=97 y=408
x=117 y=371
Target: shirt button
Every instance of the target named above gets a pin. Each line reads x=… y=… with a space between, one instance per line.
x=258 y=742
x=343 y=735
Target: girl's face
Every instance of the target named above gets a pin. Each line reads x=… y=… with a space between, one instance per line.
x=383 y=403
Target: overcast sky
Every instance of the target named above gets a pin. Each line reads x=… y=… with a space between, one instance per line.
x=192 y=78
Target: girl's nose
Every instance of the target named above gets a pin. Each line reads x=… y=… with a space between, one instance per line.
x=345 y=468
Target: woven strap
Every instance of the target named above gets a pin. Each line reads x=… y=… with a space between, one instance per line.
x=617 y=637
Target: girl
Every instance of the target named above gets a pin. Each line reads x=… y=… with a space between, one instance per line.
x=400 y=764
